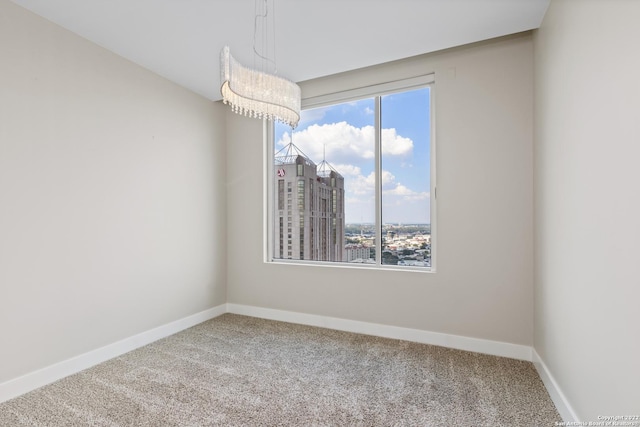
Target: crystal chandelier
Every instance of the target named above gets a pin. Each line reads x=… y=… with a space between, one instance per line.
x=257 y=93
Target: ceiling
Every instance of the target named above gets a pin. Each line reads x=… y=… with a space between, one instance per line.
x=181 y=39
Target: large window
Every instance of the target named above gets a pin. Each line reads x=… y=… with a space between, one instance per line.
x=362 y=162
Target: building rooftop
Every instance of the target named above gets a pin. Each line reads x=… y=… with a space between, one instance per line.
x=289 y=154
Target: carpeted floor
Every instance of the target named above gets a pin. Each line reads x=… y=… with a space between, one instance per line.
x=242 y=371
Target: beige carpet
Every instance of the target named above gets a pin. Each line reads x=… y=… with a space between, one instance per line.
x=241 y=371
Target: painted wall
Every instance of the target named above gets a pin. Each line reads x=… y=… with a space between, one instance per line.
x=112 y=193
x=483 y=286
x=587 y=207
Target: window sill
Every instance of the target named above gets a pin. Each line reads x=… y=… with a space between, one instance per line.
x=361 y=266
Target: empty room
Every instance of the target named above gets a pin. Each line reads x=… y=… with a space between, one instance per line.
x=280 y=212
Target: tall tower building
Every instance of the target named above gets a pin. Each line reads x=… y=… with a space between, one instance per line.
x=309 y=214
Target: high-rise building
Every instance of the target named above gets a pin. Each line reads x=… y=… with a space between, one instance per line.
x=309 y=208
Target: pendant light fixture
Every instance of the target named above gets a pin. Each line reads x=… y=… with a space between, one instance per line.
x=257 y=93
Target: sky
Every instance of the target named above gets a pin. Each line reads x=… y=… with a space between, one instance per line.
x=343 y=135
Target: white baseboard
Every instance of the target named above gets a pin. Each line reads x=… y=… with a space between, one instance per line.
x=49 y=374
x=557 y=396
x=495 y=348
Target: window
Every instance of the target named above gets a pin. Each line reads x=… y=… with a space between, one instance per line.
x=367 y=156
x=281 y=194
x=301 y=196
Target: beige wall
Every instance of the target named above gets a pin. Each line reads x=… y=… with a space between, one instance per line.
x=111 y=197
x=483 y=286
x=587 y=217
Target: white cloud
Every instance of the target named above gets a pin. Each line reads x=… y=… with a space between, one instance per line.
x=394 y=144
x=313 y=115
x=388 y=180
x=284 y=140
x=336 y=142
x=344 y=143
x=400 y=203
x=347 y=170
x=360 y=185
x=405 y=194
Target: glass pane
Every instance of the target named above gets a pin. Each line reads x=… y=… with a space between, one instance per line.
x=329 y=162
x=406 y=183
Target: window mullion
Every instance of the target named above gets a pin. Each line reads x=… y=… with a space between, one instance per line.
x=269 y=219
x=378 y=179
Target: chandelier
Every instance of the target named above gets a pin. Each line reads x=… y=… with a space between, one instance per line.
x=256 y=93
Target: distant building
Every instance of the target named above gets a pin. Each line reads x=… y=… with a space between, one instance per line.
x=357 y=252
x=309 y=208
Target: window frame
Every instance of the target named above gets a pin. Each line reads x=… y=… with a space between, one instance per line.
x=375 y=91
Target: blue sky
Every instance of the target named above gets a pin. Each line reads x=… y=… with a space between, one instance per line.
x=344 y=134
